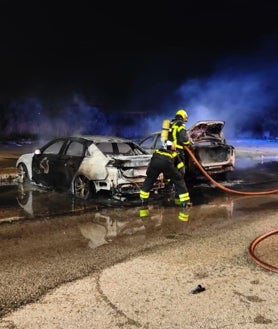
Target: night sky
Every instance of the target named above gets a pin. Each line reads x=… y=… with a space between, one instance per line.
x=132 y=56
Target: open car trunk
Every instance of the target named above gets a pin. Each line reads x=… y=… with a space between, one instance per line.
x=207 y=131
x=209 y=146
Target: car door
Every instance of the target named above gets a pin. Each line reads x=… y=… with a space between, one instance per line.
x=44 y=162
x=68 y=163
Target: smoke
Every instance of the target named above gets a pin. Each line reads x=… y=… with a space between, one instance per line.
x=32 y=117
x=242 y=91
x=245 y=98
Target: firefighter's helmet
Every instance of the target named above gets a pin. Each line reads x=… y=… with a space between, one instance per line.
x=182 y=113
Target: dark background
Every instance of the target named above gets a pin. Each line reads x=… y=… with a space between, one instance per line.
x=133 y=57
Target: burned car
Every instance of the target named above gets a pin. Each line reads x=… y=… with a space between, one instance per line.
x=209 y=146
x=86 y=165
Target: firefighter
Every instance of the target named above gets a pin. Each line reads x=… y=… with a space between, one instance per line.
x=178 y=134
x=167 y=161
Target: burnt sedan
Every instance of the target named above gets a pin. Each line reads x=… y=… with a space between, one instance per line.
x=209 y=146
x=86 y=165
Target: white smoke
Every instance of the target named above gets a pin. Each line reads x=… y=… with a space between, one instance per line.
x=242 y=98
x=241 y=91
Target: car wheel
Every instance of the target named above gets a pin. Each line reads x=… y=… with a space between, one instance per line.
x=82 y=188
x=22 y=173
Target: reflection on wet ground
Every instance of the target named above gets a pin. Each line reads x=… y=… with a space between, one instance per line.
x=111 y=218
x=97 y=224
x=108 y=219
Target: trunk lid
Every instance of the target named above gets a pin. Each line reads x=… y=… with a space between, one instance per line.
x=207 y=130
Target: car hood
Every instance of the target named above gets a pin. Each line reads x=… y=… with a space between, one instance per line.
x=206 y=131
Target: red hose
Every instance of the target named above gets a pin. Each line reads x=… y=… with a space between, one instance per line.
x=258 y=239
x=220 y=185
x=255 y=258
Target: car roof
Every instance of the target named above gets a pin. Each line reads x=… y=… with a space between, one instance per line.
x=102 y=138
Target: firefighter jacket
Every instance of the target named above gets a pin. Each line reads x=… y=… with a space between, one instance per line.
x=173 y=155
x=178 y=134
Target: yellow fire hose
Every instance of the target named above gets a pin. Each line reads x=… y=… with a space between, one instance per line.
x=220 y=185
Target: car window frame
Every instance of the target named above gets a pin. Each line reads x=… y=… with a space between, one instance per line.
x=49 y=145
x=154 y=144
x=72 y=142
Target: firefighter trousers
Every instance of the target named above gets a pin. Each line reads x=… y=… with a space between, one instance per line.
x=163 y=164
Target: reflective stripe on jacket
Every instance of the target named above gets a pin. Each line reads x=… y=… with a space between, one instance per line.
x=173 y=155
x=179 y=134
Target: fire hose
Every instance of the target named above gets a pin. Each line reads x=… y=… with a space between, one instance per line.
x=258 y=239
x=222 y=187
x=255 y=258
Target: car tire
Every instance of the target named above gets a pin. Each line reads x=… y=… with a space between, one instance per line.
x=82 y=188
x=22 y=173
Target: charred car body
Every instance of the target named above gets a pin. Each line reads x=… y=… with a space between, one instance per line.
x=208 y=145
x=85 y=165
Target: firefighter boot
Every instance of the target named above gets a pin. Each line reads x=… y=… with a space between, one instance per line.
x=183 y=216
x=144 y=212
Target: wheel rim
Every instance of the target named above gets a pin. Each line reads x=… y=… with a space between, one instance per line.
x=82 y=187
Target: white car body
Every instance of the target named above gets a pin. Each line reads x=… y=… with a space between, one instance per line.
x=90 y=164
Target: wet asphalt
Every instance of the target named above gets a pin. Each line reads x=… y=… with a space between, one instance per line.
x=48 y=238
